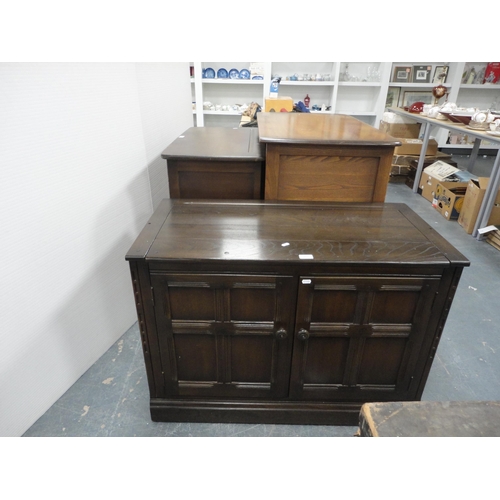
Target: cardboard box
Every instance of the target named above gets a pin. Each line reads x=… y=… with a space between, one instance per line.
x=491 y=235
x=399 y=126
x=401 y=130
x=399 y=170
x=449 y=201
x=476 y=189
x=441 y=170
x=414 y=146
x=440 y=173
x=278 y=103
x=429 y=160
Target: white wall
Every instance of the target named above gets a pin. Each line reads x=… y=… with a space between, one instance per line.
x=80 y=174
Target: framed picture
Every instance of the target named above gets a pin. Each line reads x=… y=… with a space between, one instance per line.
x=492 y=73
x=474 y=73
x=392 y=100
x=402 y=74
x=422 y=74
x=410 y=97
x=440 y=74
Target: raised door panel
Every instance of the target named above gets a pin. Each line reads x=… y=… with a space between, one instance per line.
x=225 y=336
x=359 y=338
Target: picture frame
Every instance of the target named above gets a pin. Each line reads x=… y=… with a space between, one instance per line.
x=392 y=99
x=422 y=74
x=402 y=74
x=440 y=74
x=414 y=96
x=473 y=73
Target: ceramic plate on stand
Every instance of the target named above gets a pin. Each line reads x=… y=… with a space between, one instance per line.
x=222 y=73
x=209 y=73
x=245 y=74
x=234 y=73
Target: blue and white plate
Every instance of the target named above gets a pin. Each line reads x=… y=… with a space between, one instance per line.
x=209 y=73
x=257 y=77
x=245 y=74
x=222 y=73
x=234 y=73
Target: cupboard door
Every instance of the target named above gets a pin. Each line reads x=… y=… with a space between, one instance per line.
x=359 y=338
x=225 y=335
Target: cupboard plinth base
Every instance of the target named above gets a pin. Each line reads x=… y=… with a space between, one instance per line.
x=247 y=412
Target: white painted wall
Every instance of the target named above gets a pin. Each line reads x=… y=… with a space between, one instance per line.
x=80 y=174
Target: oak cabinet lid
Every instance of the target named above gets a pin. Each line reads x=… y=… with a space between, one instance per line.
x=292 y=232
x=311 y=128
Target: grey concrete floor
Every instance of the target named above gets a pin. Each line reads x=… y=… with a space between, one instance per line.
x=112 y=399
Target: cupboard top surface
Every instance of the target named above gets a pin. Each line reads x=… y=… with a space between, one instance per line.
x=312 y=128
x=291 y=232
x=218 y=143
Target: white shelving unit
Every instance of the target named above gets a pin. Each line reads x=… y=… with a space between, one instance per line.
x=359 y=89
x=464 y=95
x=223 y=92
x=359 y=97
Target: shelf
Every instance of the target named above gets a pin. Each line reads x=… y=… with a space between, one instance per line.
x=479 y=86
x=360 y=84
x=224 y=113
x=323 y=83
x=470 y=146
x=359 y=113
x=419 y=85
x=231 y=81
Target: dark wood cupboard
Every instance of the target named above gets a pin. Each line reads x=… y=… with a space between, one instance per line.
x=288 y=312
x=216 y=163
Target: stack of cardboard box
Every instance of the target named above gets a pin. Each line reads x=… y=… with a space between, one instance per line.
x=456 y=194
x=476 y=189
x=411 y=163
x=491 y=235
x=444 y=186
x=406 y=156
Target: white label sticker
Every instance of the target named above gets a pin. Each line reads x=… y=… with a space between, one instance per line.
x=306 y=282
x=306 y=256
x=285 y=244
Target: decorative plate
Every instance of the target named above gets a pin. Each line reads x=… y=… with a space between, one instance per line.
x=222 y=73
x=257 y=77
x=209 y=73
x=245 y=74
x=234 y=73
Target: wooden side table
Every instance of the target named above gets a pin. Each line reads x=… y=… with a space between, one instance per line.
x=324 y=157
x=216 y=163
